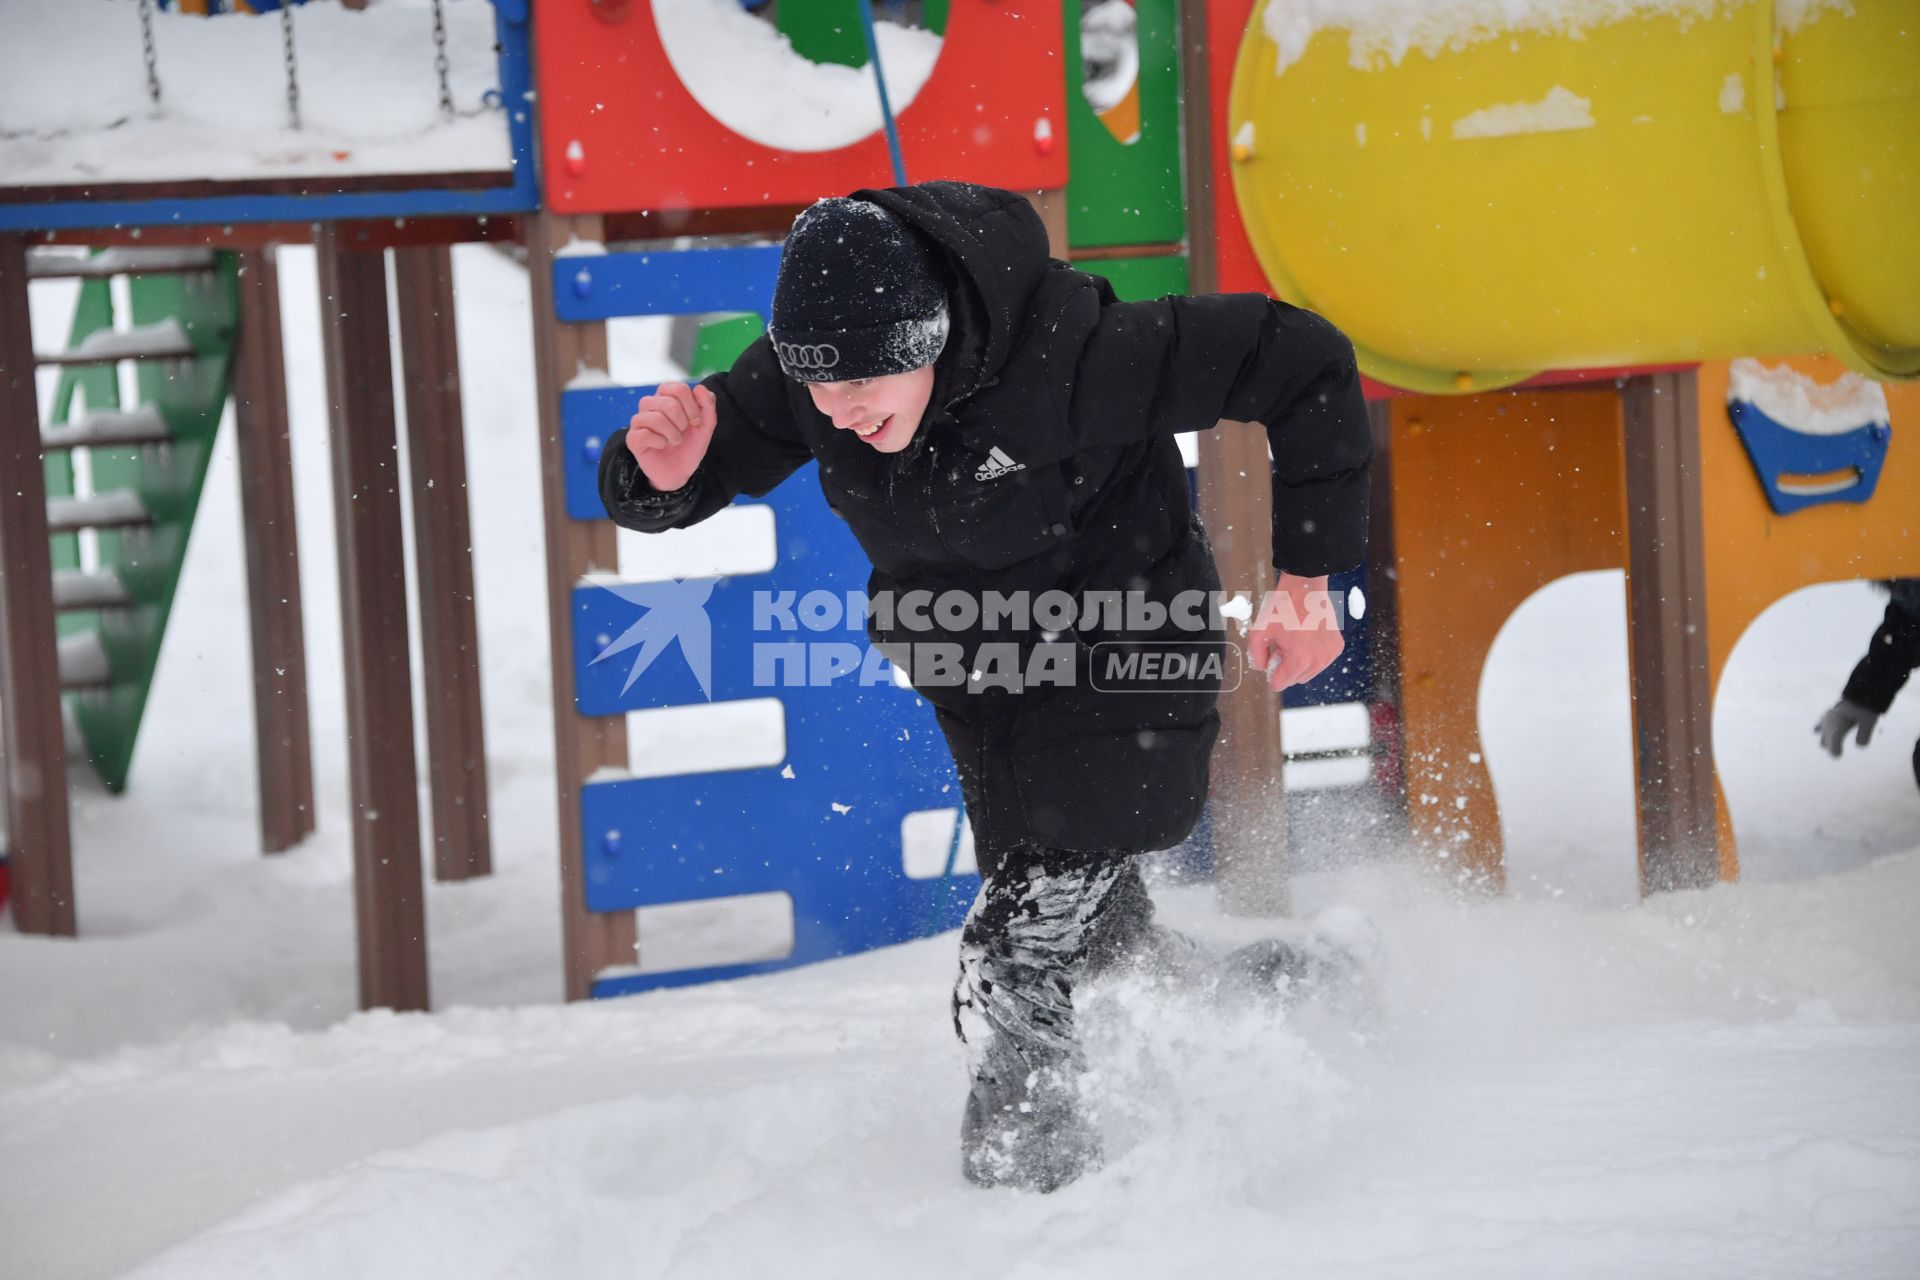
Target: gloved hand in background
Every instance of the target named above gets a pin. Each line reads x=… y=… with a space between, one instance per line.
x=1843 y=718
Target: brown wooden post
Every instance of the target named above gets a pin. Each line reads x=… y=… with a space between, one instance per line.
x=389 y=906
x=591 y=941
x=1383 y=613
x=1249 y=805
x=1052 y=208
x=443 y=558
x=1667 y=633
x=39 y=850
x=282 y=737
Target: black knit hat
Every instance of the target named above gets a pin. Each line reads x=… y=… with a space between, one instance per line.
x=859 y=296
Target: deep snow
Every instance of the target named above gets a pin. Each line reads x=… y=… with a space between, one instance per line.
x=1561 y=1082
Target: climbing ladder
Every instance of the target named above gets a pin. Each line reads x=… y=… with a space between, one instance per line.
x=88 y=569
x=119 y=542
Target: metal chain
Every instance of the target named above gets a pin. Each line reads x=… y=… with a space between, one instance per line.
x=293 y=69
x=146 y=48
x=440 y=60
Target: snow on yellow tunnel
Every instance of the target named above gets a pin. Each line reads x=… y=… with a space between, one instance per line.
x=1476 y=190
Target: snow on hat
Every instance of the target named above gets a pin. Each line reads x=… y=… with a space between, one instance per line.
x=859 y=296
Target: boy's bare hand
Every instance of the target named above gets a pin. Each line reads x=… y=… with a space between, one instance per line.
x=670 y=432
x=1297 y=635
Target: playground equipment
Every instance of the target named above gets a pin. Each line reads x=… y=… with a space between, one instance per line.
x=148 y=462
x=993 y=107
x=828 y=836
x=1660 y=188
x=1226 y=184
x=836 y=849
x=1653 y=480
x=201 y=318
x=1678 y=184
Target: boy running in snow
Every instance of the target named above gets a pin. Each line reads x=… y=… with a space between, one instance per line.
x=989 y=420
x=1892 y=656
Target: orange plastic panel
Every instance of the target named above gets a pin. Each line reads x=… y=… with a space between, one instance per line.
x=1756 y=557
x=620 y=132
x=1494 y=496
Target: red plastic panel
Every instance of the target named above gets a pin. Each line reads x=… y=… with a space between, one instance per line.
x=1239 y=270
x=619 y=132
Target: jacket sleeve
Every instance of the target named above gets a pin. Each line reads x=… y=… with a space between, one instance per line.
x=1185 y=363
x=1891 y=657
x=755 y=446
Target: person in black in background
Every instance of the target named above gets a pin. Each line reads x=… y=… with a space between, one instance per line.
x=987 y=419
x=1891 y=657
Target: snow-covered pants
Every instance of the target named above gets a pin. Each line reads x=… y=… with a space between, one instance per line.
x=1044 y=918
x=1025 y=940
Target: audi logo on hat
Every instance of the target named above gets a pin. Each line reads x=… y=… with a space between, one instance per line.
x=800 y=355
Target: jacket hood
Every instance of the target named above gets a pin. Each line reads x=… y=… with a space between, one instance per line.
x=994 y=249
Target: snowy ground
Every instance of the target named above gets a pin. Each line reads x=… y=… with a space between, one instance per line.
x=1560 y=1082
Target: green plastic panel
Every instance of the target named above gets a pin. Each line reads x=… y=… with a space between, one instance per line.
x=1121 y=193
x=190 y=395
x=720 y=343
x=1142 y=279
x=829 y=30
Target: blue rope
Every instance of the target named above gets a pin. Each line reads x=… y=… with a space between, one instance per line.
x=886 y=107
x=938 y=899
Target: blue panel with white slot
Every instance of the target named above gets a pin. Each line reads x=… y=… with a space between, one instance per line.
x=1801 y=469
x=609 y=286
x=824 y=824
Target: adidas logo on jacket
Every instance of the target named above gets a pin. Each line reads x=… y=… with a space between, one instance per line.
x=997 y=465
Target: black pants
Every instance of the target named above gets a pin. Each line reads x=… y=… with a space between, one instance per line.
x=1044 y=919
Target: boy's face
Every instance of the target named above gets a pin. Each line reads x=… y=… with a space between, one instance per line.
x=883 y=412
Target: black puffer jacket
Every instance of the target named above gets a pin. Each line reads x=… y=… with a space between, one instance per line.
x=1085 y=394
x=1894 y=653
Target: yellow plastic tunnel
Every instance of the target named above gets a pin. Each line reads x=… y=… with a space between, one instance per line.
x=1587 y=183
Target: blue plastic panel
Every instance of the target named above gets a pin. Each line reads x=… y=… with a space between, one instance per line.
x=588 y=416
x=678 y=282
x=1778 y=452
x=861 y=757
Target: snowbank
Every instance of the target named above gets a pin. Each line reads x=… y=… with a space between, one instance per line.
x=1717 y=1084
x=747 y=76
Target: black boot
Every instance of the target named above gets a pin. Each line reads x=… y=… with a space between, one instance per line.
x=1026 y=1129
x=1334 y=964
